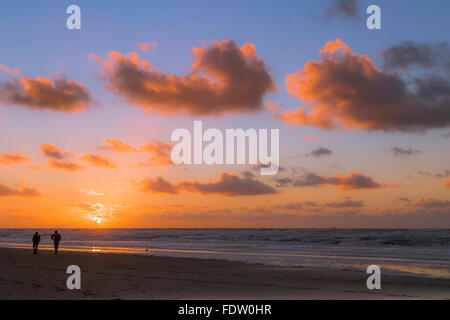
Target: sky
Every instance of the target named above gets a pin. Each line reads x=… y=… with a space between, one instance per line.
x=87 y=115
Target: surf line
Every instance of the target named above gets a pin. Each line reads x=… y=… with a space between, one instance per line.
x=235 y=147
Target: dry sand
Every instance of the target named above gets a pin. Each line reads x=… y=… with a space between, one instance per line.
x=120 y=276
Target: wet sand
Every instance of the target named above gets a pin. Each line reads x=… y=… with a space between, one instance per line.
x=121 y=276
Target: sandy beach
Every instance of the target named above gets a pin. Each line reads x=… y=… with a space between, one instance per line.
x=121 y=276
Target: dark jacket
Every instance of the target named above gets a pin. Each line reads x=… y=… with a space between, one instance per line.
x=56 y=237
x=36 y=238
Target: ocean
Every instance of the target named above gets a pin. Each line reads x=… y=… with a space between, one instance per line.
x=416 y=252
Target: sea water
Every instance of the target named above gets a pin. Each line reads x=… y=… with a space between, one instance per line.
x=397 y=251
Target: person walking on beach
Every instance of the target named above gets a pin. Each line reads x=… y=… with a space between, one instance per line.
x=56 y=237
x=36 y=240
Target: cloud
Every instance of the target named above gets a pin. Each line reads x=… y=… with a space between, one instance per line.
x=309 y=138
x=92 y=192
x=160 y=154
x=64 y=165
x=281 y=182
x=224 y=78
x=98 y=160
x=158 y=185
x=410 y=54
x=160 y=151
x=347 y=203
x=432 y=204
x=258 y=165
x=118 y=146
x=347 y=90
x=307 y=205
x=294 y=206
x=313 y=206
x=247 y=174
x=54 y=152
x=343 y=8
x=401 y=152
x=426 y=174
x=6 y=191
x=150 y=46
x=55 y=93
x=58 y=159
x=446 y=183
x=272 y=107
x=320 y=152
x=228 y=184
x=354 y=180
x=10 y=158
x=444 y=174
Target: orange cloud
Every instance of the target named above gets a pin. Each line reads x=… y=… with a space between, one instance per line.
x=6 y=191
x=334 y=46
x=64 y=165
x=272 y=107
x=309 y=138
x=161 y=154
x=160 y=150
x=301 y=117
x=118 y=146
x=10 y=158
x=98 y=161
x=158 y=185
x=354 y=180
x=57 y=93
x=347 y=90
x=54 y=152
x=446 y=183
x=228 y=184
x=150 y=46
x=224 y=78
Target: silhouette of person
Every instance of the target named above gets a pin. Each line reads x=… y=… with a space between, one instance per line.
x=56 y=237
x=36 y=240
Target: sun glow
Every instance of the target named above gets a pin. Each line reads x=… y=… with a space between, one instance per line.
x=97 y=219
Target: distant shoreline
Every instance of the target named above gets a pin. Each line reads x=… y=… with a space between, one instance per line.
x=121 y=276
